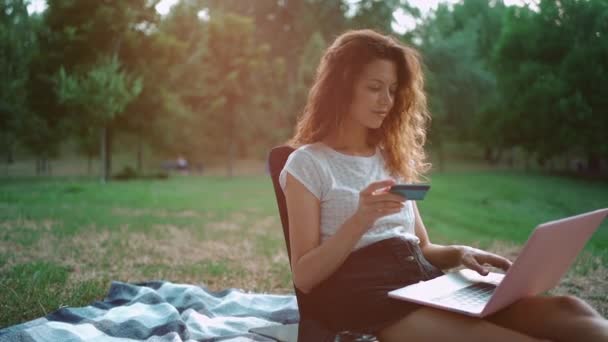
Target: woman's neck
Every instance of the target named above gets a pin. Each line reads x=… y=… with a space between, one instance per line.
x=351 y=139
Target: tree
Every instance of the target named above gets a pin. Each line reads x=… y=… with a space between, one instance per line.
x=18 y=46
x=558 y=55
x=168 y=57
x=309 y=61
x=288 y=27
x=460 y=84
x=235 y=55
x=380 y=15
x=75 y=36
x=100 y=93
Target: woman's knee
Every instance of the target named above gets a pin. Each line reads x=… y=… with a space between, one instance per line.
x=416 y=326
x=574 y=305
x=421 y=325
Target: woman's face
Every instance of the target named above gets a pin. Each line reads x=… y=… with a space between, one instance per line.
x=374 y=93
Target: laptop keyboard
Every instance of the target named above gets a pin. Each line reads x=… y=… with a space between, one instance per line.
x=472 y=296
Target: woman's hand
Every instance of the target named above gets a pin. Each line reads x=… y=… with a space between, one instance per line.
x=476 y=259
x=376 y=201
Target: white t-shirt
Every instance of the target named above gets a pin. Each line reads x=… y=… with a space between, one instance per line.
x=336 y=180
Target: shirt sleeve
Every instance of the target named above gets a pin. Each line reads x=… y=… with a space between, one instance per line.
x=306 y=169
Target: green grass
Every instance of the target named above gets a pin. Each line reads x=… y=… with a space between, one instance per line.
x=62 y=240
x=36 y=288
x=485 y=206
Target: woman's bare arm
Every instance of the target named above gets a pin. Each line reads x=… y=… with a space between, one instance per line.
x=443 y=257
x=313 y=261
x=446 y=257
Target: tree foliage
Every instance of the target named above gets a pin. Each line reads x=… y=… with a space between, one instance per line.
x=18 y=47
x=225 y=79
x=549 y=63
x=100 y=93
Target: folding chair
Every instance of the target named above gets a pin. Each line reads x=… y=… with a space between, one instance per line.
x=310 y=327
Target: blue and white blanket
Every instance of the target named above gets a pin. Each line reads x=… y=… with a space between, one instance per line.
x=161 y=311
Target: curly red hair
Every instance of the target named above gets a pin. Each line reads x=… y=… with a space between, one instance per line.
x=403 y=132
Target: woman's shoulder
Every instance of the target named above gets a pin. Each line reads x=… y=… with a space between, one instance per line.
x=309 y=154
x=315 y=150
x=307 y=164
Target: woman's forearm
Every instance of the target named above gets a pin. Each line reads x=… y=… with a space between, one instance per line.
x=443 y=257
x=320 y=262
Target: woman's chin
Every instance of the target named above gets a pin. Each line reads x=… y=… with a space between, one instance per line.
x=375 y=124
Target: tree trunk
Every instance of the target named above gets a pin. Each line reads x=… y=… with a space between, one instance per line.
x=492 y=155
x=10 y=157
x=437 y=144
x=593 y=163
x=231 y=137
x=108 y=152
x=139 y=152
x=499 y=155
x=43 y=166
x=89 y=164
x=102 y=153
x=105 y=153
x=231 y=148
x=441 y=156
x=511 y=157
x=487 y=154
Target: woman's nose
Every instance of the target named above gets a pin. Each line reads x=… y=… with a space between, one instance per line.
x=385 y=97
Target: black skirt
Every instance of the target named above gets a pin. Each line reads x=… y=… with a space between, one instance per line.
x=355 y=297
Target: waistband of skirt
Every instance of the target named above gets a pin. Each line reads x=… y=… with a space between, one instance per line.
x=391 y=244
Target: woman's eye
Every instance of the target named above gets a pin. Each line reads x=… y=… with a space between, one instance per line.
x=372 y=88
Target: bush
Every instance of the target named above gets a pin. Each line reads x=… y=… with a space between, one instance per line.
x=128 y=173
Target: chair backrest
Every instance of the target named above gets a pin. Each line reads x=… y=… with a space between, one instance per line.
x=276 y=160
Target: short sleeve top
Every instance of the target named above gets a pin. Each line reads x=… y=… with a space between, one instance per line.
x=336 y=179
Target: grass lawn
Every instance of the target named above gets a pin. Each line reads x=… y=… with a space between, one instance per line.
x=63 y=240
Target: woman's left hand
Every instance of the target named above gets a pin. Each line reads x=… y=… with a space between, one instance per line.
x=476 y=259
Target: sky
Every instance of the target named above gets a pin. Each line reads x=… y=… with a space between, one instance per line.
x=403 y=22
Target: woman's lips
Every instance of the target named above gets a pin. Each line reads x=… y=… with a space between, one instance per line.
x=380 y=113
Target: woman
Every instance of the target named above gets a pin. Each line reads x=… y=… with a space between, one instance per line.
x=352 y=241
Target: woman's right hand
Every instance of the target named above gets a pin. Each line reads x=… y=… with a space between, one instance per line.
x=375 y=201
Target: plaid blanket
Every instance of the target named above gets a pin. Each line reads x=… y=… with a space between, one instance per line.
x=161 y=311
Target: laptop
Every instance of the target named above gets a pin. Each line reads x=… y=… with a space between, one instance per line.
x=550 y=251
x=278 y=332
